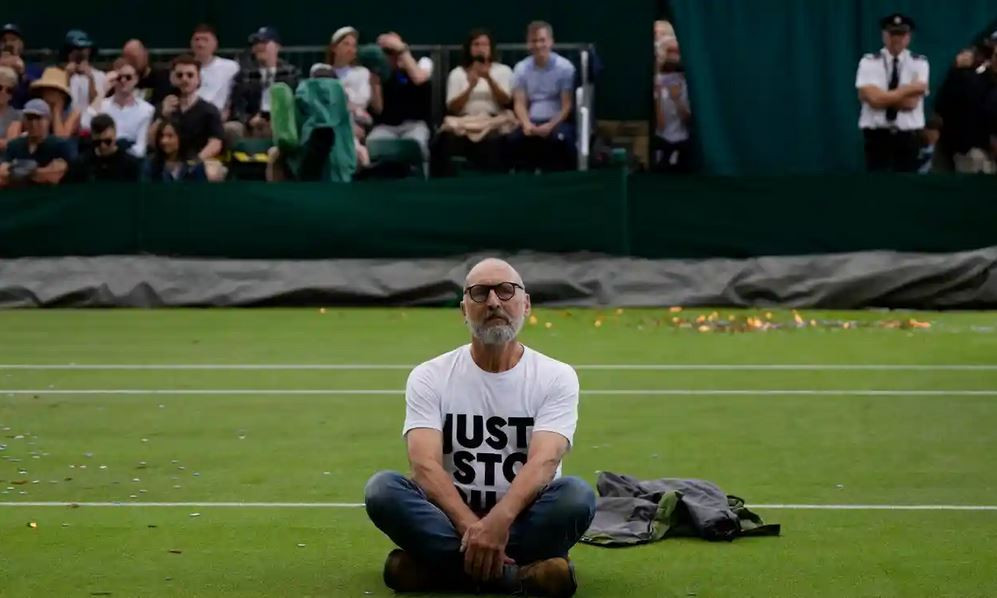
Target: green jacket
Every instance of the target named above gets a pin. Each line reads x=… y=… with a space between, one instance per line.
x=295 y=115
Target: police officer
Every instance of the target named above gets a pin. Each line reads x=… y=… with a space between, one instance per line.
x=891 y=85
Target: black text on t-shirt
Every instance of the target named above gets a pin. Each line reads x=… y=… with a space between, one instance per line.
x=488 y=437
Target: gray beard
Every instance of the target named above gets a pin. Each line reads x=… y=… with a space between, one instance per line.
x=498 y=334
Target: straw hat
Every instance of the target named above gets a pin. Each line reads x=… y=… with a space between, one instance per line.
x=52 y=78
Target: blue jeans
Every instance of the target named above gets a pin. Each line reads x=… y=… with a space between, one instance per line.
x=548 y=528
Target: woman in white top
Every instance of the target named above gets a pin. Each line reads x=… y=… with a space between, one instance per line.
x=132 y=115
x=341 y=58
x=479 y=87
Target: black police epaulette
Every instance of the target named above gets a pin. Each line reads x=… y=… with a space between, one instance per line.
x=918 y=56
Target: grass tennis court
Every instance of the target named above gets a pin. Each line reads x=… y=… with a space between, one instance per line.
x=802 y=428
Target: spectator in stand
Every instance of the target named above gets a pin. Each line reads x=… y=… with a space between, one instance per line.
x=543 y=89
x=86 y=83
x=132 y=115
x=106 y=160
x=11 y=49
x=198 y=123
x=38 y=157
x=251 y=97
x=217 y=74
x=154 y=82
x=962 y=102
x=341 y=58
x=671 y=146
x=341 y=63
x=10 y=117
x=169 y=163
x=63 y=119
x=401 y=104
x=479 y=94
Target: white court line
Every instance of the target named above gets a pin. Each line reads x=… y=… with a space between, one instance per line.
x=611 y=367
x=598 y=392
x=352 y=505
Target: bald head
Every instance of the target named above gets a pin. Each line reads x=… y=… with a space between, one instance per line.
x=135 y=51
x=491 y=271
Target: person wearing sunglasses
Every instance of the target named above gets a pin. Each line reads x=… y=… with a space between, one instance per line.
x=10 y=117
x=106 y=161
x=132 y=115
x=198 y=122
x=486 y=427
x=37 y=157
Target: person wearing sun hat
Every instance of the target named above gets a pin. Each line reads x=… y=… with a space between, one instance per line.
x=37 y=157
x=52 y=88
x=86 y=83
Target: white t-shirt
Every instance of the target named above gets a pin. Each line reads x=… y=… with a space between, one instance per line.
x=130 y=122
x=79 y=88
x=487 y=419
x=675 y=129
x=216 y=81
x=876 y=69
x=481 y=100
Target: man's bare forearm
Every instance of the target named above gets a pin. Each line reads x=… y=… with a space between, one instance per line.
x=441 y=491
x=529 y=482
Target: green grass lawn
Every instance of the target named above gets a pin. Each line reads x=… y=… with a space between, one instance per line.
x=850 y=448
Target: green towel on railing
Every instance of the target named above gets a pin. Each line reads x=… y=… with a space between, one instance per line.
x=317 y=103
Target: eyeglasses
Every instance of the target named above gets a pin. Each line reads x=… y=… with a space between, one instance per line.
x=104 y=141
x=32 y=117
x=184 y=75
x=504 y=291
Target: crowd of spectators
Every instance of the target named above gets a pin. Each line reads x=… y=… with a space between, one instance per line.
x=73 y=122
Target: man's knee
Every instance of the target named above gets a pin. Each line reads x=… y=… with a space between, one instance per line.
x=381 y=492
x=575 y=499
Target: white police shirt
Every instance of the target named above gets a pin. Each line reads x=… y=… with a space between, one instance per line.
x=876 y=69
x=487 y=418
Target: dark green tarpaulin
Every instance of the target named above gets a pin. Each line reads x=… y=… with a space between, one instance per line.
x=772 y=82
x=600 y=211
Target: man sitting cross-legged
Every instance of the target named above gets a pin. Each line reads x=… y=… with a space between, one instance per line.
x=486 y=427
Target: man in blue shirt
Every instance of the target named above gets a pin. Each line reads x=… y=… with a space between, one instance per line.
x=542 y=90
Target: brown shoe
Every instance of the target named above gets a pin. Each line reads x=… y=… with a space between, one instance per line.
x=402 y=573
x=551 y=577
